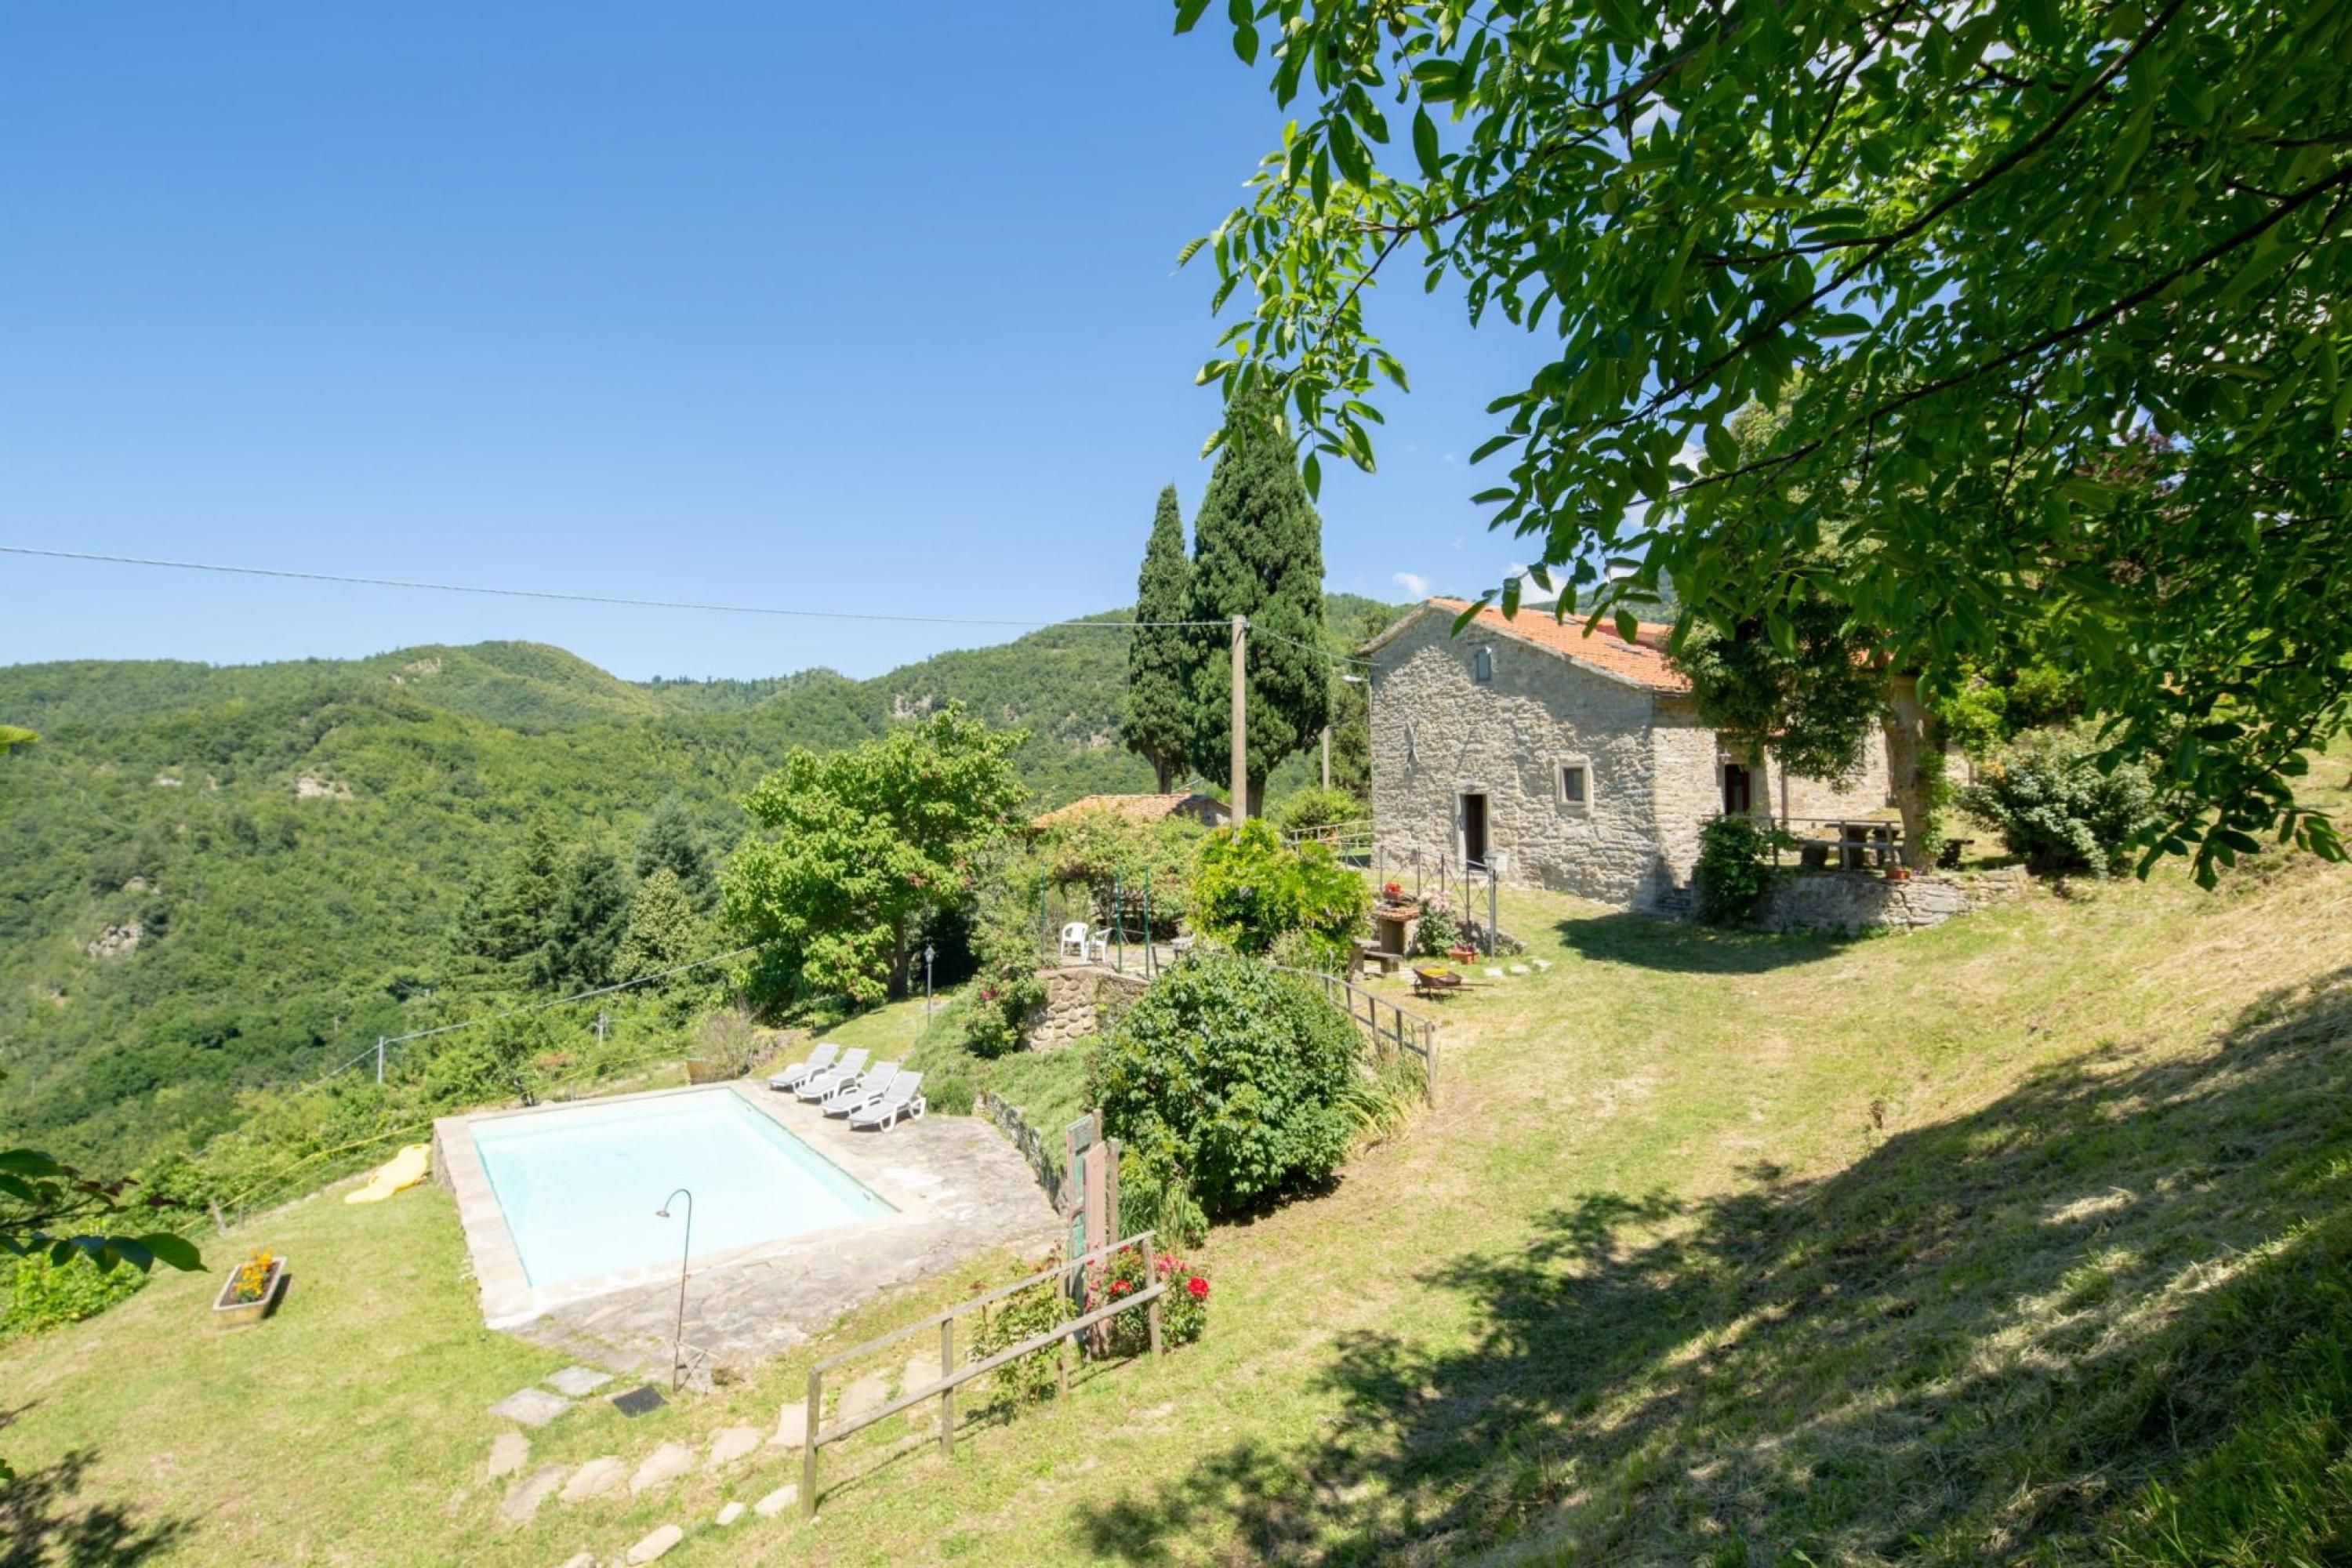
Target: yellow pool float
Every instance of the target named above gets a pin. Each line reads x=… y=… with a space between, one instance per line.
x=403 y=1170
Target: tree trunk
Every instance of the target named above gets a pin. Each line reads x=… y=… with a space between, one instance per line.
x=1256 y=799
x=1915 y=744
x=1165 y=767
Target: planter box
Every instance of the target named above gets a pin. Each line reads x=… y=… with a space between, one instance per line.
x=228 y=1314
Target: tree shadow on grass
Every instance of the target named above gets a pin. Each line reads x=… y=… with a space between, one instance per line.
x=46 y=1523
x=1646 y=942
x=1986 y=1336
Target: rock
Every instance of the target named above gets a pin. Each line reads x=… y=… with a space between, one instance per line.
x=580 y=1560
x=599 y=1475
x=867 y=1393
x=579 y=1380
x=731 y=1444
x=1540 y=963
x=510 y=1451
x=1518 y=969
x=729 y=1515
x=115 y=940
x=1494 y=971
x=791 y=1427
x=656 y=1544
x=532 y=1407
x=523 y=1499
x=776 y=1501
x=663 y=1465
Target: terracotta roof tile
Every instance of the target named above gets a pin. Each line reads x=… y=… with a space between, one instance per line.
x=1642 y=661
x=1142 y=807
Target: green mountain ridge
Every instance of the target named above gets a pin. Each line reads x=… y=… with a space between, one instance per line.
x=219 y=877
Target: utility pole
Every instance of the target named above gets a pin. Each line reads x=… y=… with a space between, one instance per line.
x=601 y=1017
x=1327 y=756
x=1241 y=719
x=379 y=1059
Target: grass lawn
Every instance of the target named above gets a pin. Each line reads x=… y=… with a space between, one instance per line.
x=2021 y=1239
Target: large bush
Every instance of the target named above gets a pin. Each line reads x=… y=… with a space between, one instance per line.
x=1251 y=888
x=1732 y=873
x=2051 y=803
x=1127 y=865
x=1232 y=1079
x=1005 y=990
x=1314 y=806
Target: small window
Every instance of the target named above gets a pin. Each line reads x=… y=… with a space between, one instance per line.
x=1573 y=778
x=1482 y=665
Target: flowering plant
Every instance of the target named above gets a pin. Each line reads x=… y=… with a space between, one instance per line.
x=253 y=1278
x=1183 y=1308
x=1393 y=891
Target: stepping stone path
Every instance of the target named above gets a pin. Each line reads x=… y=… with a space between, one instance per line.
x=579 y=1382
x=731 y=1444
x=776 y=1501
x=580 y=1560
x=922 y=1370
x=1494 y=971
x=510 y=1451
x=596 y=1478
x=523 y=1499
x=1518 y=969
x=729 y=1515
x=791 y=1427
x=532 y=1407
x=867 y=1393
x=663 y=1465
x=1540 y=963
x=656 y=1544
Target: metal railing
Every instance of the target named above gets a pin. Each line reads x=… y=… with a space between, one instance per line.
x=1409 y=1034
x=1464 y=885
x=951 y=1377
x=1350 y=841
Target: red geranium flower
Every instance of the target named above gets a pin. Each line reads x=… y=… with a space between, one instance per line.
x=1199 y=1287
x=1118 y=1287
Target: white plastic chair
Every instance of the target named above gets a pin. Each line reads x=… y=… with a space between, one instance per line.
x=1074 y=941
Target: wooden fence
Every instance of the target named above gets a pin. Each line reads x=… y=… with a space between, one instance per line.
x=951 y=1377
x=1407 y=1033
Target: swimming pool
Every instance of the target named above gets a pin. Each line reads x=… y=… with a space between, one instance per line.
x=579 y=1188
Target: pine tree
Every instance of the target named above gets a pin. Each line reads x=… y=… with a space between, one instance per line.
x=503 y=922
x=1158 y=724
x=663 y=930
x=1257 y=551
x=670 y=840
x=584 y=932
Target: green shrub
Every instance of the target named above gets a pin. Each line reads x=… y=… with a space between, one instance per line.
x=1125 y=864
x=1005 y=990
x=44 y=1295
x=1309 y=949
x=1732 y=873
x=2051 y=803
x=948 y=1096
x=1154 y=1197
x=1251 y=888
x=1316 y=807
x=1438 y=932
x=1024 y=1380
x=1232 y=1076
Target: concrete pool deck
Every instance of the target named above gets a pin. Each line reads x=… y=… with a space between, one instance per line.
x=959 y=1188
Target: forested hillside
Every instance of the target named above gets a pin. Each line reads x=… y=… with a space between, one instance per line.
x=217 y=877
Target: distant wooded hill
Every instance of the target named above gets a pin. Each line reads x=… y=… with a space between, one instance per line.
x=213 y=878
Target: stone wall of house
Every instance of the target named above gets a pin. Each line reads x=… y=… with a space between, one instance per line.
x=1859 y=900
x=1688 y=790
x=1438 y=734
x=1859 y=794
x=1078 y=996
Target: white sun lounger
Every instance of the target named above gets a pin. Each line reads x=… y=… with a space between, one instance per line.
x=818 y=1085
x=851 y=1093
x=904 y=1098
x=816 y=1061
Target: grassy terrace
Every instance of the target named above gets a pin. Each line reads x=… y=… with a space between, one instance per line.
x=1948 y=1248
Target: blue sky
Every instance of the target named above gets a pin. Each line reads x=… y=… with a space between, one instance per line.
x=866 y=308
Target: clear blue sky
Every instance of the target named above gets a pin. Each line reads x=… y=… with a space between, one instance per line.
x=866 y=307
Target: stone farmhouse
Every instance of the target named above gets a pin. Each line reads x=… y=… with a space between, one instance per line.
x=1565 y=759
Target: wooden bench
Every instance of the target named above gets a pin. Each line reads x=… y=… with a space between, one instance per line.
x=1386 y=961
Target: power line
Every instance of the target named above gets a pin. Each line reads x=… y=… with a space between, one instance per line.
x=532 y=1007
x=1257 y=631
x=721 y=609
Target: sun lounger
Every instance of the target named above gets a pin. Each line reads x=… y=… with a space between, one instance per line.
x=816 y=1061
x=851 y=1093
x=818 y=1085
x=904 y=1098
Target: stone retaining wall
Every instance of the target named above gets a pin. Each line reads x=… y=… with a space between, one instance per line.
x=1859 y=900
x=1077 y=995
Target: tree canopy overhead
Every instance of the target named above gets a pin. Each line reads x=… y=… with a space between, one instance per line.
x=1981 y=256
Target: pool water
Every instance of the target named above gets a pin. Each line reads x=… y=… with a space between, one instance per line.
x=579 y=1188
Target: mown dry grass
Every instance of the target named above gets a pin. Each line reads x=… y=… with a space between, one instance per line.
x=2023 y=1239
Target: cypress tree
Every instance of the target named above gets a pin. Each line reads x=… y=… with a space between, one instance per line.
x=1257 y=551
x=668 y=840
x=584 y=930
x=1157 y=724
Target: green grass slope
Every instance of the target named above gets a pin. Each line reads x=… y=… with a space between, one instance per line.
x=2021 y=1240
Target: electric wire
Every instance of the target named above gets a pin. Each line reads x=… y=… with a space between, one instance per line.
x=561 y=598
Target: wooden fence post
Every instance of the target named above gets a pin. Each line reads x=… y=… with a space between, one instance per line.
x=1151 y=1312
x=815 y=1422
x=947 y=1395
x=1062 y=1364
